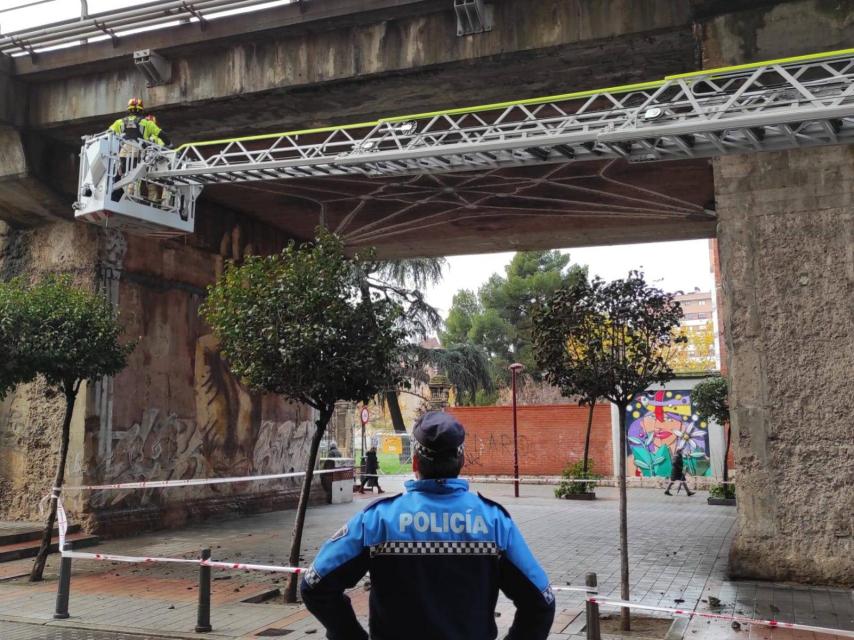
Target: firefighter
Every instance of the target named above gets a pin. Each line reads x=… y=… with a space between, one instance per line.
x=437 y=555
x=156 y=194
x=133 y=128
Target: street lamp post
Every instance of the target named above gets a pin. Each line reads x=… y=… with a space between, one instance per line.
x=515 y=368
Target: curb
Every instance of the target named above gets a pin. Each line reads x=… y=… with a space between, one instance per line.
x=130 y=631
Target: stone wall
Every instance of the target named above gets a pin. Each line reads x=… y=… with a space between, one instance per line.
x=174 y=412
x=786 y=242
x=31 y=416
x=786 y=235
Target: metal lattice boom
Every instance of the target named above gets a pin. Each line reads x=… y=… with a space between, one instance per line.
x=782 y=104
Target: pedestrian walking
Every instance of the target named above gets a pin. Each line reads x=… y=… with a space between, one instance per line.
x=329 y=463
x=438 y=556
x=677 y=474
x=371 y=476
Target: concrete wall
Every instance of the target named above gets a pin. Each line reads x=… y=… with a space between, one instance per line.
x=31 y=416
x=786 y=241
x=174 y=412
x=303 y=77
x=550 y=437
x=786 y=238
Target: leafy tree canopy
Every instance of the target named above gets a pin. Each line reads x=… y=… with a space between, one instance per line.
x=498 y=318
x=59 y=330
x=609 y=338
x=465 y=365
x=711 y=399
x=697 y=353
x=298 y=324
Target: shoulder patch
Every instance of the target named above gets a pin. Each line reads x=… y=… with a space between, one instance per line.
x=343 y=531
x=493 y=503
x=383 y=499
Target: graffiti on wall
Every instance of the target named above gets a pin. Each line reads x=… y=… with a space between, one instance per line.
x=226 y=436
x=496 y=446
x=660 y=423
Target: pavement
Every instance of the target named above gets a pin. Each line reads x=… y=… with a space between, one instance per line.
x=677 y=552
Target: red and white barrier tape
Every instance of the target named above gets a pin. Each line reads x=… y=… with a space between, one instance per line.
x=719 y=616
x=205 y=563
x=62 y=523
x=526 y=479
x=191 y=482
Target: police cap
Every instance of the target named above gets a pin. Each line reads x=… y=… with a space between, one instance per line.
x=438 y=435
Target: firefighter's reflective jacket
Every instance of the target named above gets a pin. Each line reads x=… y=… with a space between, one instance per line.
x=133 y=127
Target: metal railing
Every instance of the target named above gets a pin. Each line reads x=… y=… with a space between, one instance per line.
x=120 y=22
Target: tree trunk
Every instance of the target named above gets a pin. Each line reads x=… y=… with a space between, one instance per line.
x=394 y=410
x=299 y=523
x=625 y=623
x=41 y=558
x=587 y=437
x=726 y=454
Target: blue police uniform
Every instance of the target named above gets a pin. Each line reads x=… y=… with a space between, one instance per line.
x=437 y=556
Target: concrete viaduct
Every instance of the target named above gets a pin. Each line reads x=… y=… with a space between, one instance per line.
x=783 y=222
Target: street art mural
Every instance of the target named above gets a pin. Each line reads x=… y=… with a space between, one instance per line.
x=660 y=423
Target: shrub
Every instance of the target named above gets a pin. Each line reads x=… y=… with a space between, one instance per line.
x=574 y=472
x=722 y=491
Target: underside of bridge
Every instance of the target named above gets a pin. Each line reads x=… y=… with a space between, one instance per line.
x=783 y=221
x=543 y=206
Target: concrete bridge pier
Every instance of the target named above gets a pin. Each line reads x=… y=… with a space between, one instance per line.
x=786 y=240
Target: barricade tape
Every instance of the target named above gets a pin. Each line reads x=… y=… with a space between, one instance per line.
x=205 y=563
x=62 y=524
x=719 y=616
x=539 y=480
x=162 y=484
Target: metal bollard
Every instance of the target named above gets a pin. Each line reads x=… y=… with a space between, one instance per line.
x=593 y=632
x=63 y=588
x=203 y=619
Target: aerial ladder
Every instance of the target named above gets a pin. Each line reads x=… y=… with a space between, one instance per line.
x=791 y=103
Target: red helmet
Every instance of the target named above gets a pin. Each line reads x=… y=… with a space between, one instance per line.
x=151 y=117
x=135 y=104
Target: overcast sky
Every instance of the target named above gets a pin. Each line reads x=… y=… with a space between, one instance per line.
x=673 y=266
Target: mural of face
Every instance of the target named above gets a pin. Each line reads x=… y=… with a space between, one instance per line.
x=660 y=423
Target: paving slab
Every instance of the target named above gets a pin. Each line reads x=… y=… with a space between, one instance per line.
x=678 y=551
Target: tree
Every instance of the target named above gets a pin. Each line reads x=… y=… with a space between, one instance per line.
x=14 y=369
x=402 y=281
x=296 y=324
x=466 y=367
x=66 y=335
x=614 y=337
x=498 y=318
x=711 y=399
x=697 y=353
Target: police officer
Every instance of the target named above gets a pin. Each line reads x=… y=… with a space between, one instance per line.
x=437 y=555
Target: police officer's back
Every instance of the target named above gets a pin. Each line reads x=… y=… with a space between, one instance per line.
x=437 y=555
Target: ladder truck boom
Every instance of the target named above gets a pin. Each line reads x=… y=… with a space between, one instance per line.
x=769 y=106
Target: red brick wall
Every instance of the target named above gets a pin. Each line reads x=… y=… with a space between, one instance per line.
x=550 y=437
